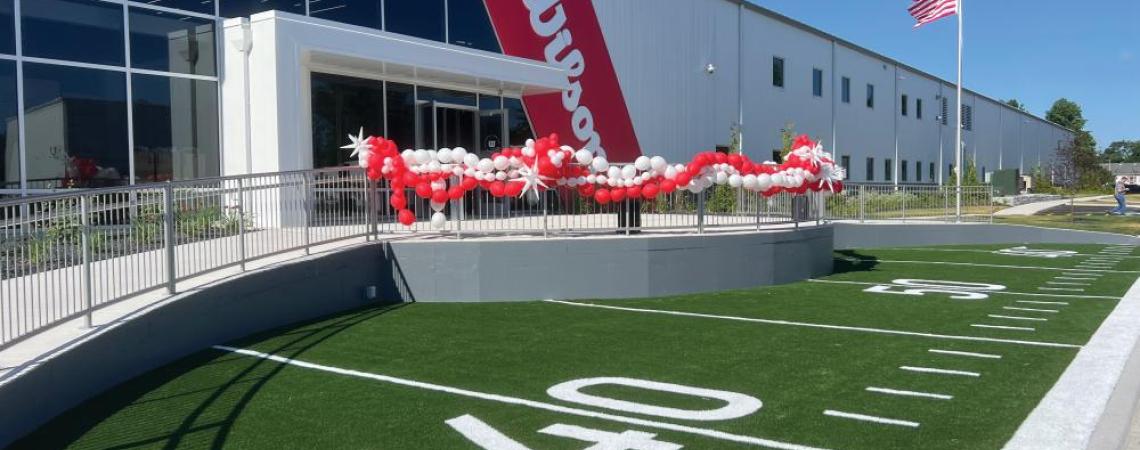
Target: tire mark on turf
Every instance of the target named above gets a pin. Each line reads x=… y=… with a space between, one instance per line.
x=521 y=401
x=819 y=325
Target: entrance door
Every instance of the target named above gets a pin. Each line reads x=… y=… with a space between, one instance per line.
x=444 y=125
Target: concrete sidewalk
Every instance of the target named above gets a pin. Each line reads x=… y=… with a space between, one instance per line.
x=1030 y=209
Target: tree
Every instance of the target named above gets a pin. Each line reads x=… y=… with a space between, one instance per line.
x=1013 y=103
x=1077 y=164
x=1121 y=152
x=1066 y=113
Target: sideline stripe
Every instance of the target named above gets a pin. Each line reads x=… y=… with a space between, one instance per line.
x=993 y=252
x=909 y=393
x=1076 y=278
x=1031 y=294
x=1067 y=283
x=1041 y=303
x=866 y=418
x=819 y=325
x=1001 y=327
x=1083 y=274
x=1014 y=308
x=999 y=266
x=1061 y=289
x=970 y=354
x=521 y=402
x=998 y=316
x=940 y=371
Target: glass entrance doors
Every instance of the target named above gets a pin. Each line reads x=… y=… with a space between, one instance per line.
x=448 y=125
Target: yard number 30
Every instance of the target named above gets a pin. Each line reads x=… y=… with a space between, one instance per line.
x=958 y=290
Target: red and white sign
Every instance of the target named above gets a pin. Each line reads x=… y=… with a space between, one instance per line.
x=592 y=113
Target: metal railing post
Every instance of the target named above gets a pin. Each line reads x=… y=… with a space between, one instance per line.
x=168 y=236
x=370 y=189
x=701 y=212
x=307 y=205
x=904 y=196
x=993 y=208
x=85 y=230
x=758 y=214
x=545 y=222
x=241 y=223
x=862 y=203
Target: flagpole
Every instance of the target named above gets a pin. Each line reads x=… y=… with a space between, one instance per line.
x=958 y=129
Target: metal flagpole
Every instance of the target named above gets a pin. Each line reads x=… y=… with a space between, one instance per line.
x=958 y=130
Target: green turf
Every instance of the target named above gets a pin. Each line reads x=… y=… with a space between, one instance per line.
x=217 y=399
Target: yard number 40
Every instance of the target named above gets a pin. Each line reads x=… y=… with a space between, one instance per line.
x=735 y=406
x=958 y=290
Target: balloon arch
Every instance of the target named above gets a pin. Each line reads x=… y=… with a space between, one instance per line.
x=447 y=174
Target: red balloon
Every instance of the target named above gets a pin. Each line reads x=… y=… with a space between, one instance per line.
x=668 y=186
x=721 y=158
x=734 y=160
x=498 y=189
x=650 y=191
x=398 y=202
x=439 y=196
x=513 y=189
x=633 y=192
x=406 y=217
x=586 y=190
x=602 y=196
x=410 y=179
x=423 y=189
x=683 y=179
x=455 y=192
x=469 y=183
x=617 y=195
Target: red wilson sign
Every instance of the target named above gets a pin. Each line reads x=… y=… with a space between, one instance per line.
x=592 y=112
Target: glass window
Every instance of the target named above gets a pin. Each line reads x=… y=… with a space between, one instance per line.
x=171 y=42
x=845 y=162
x=79 y=30
x=931 y=173
x=904 y=173
x=76 y=126
x=846 y=82
x=469 y=26
x=888 y=169
x=918 y=171
x=870 y=169
x=10 y=131
x=817 y=82
x=342 y=106
x=198 y=6
x=518 y=125
x=491 y=124
x=419 y=18
x=918 y=108
x=176 y=128
x=401 y=114
x=431 y=94
x=365 y=13
x=870 y=96
x=777 y=71
x=7 y=27
x=903 y=104
x=244 y=8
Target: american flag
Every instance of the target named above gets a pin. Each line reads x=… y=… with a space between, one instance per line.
x=926 y=11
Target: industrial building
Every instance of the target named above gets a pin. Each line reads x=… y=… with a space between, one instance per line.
x=106 y=92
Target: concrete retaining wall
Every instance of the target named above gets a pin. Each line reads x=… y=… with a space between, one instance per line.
x=856 y=235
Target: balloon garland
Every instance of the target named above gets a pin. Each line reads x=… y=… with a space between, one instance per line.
x=448 y=174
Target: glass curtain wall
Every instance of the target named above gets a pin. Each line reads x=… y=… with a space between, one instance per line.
x=114 y=92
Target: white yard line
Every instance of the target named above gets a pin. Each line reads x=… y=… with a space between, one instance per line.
x=875 y=419
x=999 y=266
x=1030 y=294
x=999 y=316
x=1083 y=274
x=1001 y=327
x=903 y=393
x=1015 y=308
x=969 y=354
x=818 y=325
x=1060 y=289
x=1084 y=407
x=1034 y=302
x=1067 y=283
x=1076 y=278
x=940 y=371
x=522 y=402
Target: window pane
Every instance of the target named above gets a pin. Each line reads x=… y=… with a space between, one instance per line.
x=172 y=43
x=7 y=27
x=342 y=106
x=243 y=8
x=905 y=165
x=777 y=71
x=817 y=82
x=76 y=126
x=517 y=123
x=365 y=13
x=846 y=90
x=78 y=30
x=491 y=123
x=176 y=128
x=419 y=18
x=904 y=104
x=918 y=108
x=446 y=96
x=870 y=169
x=9 y=133
x=198 y=6
x=888 y=169
x=401 y=114
x=470 y=26
x=870 y=96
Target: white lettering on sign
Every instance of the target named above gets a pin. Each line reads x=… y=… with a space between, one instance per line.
x=737 y=405
x=958 y=290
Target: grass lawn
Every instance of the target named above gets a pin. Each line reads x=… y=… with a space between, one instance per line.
x=1089 y=222
x=843 y=362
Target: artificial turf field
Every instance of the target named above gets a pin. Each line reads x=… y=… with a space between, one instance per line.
x=849 y=361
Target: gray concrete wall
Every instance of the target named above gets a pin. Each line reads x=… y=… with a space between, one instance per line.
x=854 y=235
x=606 y=267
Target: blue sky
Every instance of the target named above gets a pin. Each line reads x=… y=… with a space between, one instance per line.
x=1033 y=50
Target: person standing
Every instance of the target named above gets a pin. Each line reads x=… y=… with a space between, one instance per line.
x=1121 y=189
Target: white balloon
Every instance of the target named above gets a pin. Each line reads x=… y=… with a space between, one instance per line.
x=628 y=172
x=470 y=172
x=422 y=156
x=444 y=155
x=514 y=161
x=438 y=220
x=437 y=206
x=670 y=173
x=642 y=163
x=600 y=179
x=458 y=154
x=500 y=175
x=658 y=163
x=471 y=160
x=438 y=185
x=777 y=179
x=409 y=156
x=529 y=143
x=433 y=166
x=583 y=180
x=528 y=151
x=591 y=178
x=613 y=172
x=735 y=180
x=501 y=162
x=457 y=171
x=749 y=182
x=696 y=187
x=600 y=164
x=584 y=157
x=721 y=177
